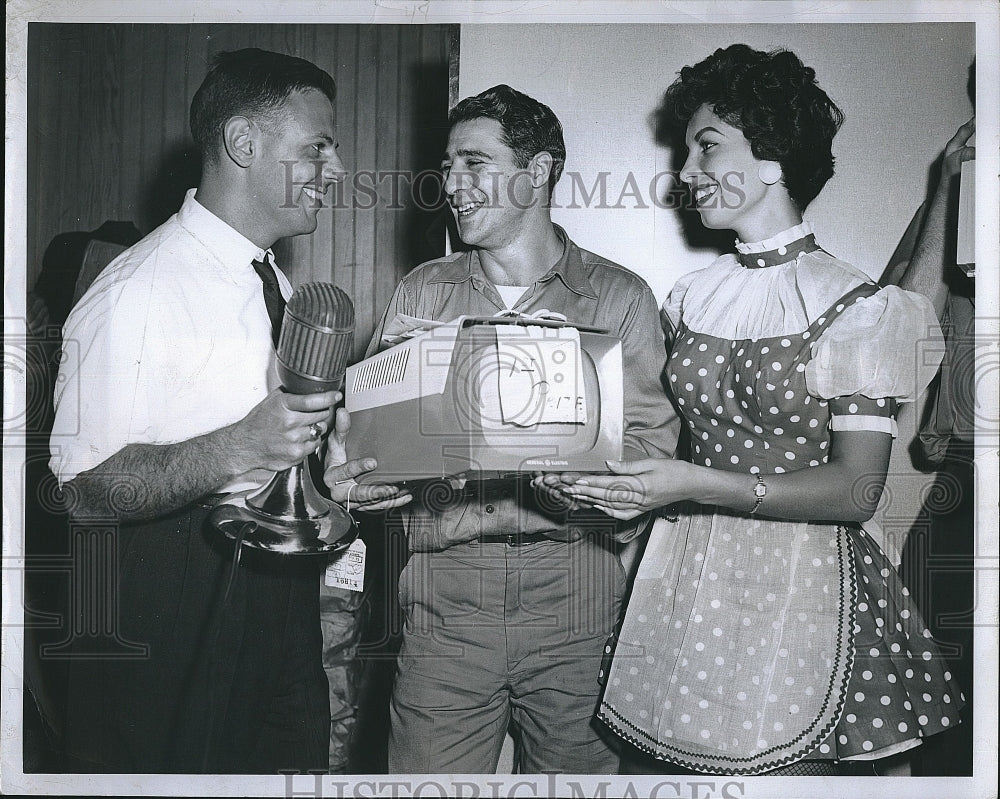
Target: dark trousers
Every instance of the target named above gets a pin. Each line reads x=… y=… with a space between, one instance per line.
x=168 y=674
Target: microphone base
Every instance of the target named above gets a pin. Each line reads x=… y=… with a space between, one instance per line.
x=330 y=533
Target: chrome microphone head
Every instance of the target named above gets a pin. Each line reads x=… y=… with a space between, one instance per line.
x=317 y=339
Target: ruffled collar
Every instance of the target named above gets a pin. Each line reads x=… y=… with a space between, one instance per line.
x=781 y=248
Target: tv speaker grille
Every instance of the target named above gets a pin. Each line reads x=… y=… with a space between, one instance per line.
x=384 y=371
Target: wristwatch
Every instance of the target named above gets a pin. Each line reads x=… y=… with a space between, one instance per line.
x=759 y=492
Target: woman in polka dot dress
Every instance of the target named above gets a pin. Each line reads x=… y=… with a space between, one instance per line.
x=766 y=630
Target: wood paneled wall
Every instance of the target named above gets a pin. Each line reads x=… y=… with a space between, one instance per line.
x=108 y=138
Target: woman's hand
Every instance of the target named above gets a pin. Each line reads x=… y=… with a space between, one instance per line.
x=632 y=488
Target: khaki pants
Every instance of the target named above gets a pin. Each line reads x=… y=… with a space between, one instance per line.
x=496 y=636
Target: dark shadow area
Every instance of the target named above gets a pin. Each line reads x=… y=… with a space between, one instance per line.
x=70 y=262
x=939 y=557
x=180 y=171
x=63 y=262
x=46 y=584
x=424 y=231
x=387 y=554
x=939 y=566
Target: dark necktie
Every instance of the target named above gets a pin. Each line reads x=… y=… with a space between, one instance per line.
x=272 y=298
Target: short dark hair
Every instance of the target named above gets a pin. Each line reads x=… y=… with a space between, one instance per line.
x=774 y=99
x=251 y=83
x=529 y=127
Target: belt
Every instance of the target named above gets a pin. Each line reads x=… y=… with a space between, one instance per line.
x=514 y=539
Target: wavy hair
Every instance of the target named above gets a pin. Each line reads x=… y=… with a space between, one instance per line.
x=774 y=99
x=529 y=127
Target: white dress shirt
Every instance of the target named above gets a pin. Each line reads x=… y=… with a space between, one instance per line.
x=171 y=341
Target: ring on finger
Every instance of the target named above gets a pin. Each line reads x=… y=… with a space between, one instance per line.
x=315 y=431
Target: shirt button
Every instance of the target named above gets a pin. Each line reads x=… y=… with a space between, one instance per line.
x=490 y=509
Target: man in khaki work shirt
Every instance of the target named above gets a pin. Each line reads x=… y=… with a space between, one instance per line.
x=509 y=597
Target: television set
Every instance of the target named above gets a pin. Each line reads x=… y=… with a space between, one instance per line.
x=486 y=398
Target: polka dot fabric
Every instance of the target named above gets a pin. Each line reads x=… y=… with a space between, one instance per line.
x=898 y=691
x=751 y=643
x=715 y=668
x=746 y=402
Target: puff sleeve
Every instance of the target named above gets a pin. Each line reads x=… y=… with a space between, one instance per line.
x=673 y=306
x=885 y=348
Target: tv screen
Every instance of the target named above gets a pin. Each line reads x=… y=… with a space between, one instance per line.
x=485 y=398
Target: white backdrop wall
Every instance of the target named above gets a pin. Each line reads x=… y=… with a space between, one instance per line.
x=902 y=88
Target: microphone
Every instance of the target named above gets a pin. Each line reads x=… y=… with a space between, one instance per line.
x=289 y=515
x=317 y=339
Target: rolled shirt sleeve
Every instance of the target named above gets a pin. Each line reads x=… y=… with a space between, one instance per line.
x=171 y=341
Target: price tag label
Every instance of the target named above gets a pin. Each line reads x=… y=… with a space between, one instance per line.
x=348 y=570
x=540 y=376
x=966 y=239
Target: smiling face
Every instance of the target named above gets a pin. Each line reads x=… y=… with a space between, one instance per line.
x=296 y=164
x=724 y=177
x=489 y=193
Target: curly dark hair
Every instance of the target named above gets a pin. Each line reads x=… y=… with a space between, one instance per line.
x=529 y=127
x=774 y=99
x=253 y=83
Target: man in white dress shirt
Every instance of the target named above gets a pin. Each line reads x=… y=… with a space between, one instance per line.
x=170 y=396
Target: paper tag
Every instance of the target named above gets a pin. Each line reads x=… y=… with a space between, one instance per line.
x=540 y=375
x=965 y=251
x=348 y=570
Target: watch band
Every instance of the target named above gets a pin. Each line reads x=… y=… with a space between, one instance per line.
x=759 y=492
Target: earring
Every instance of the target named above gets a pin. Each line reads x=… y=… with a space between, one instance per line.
x=769 y=172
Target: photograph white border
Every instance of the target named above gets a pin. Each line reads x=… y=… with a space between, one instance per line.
x=987 y=19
